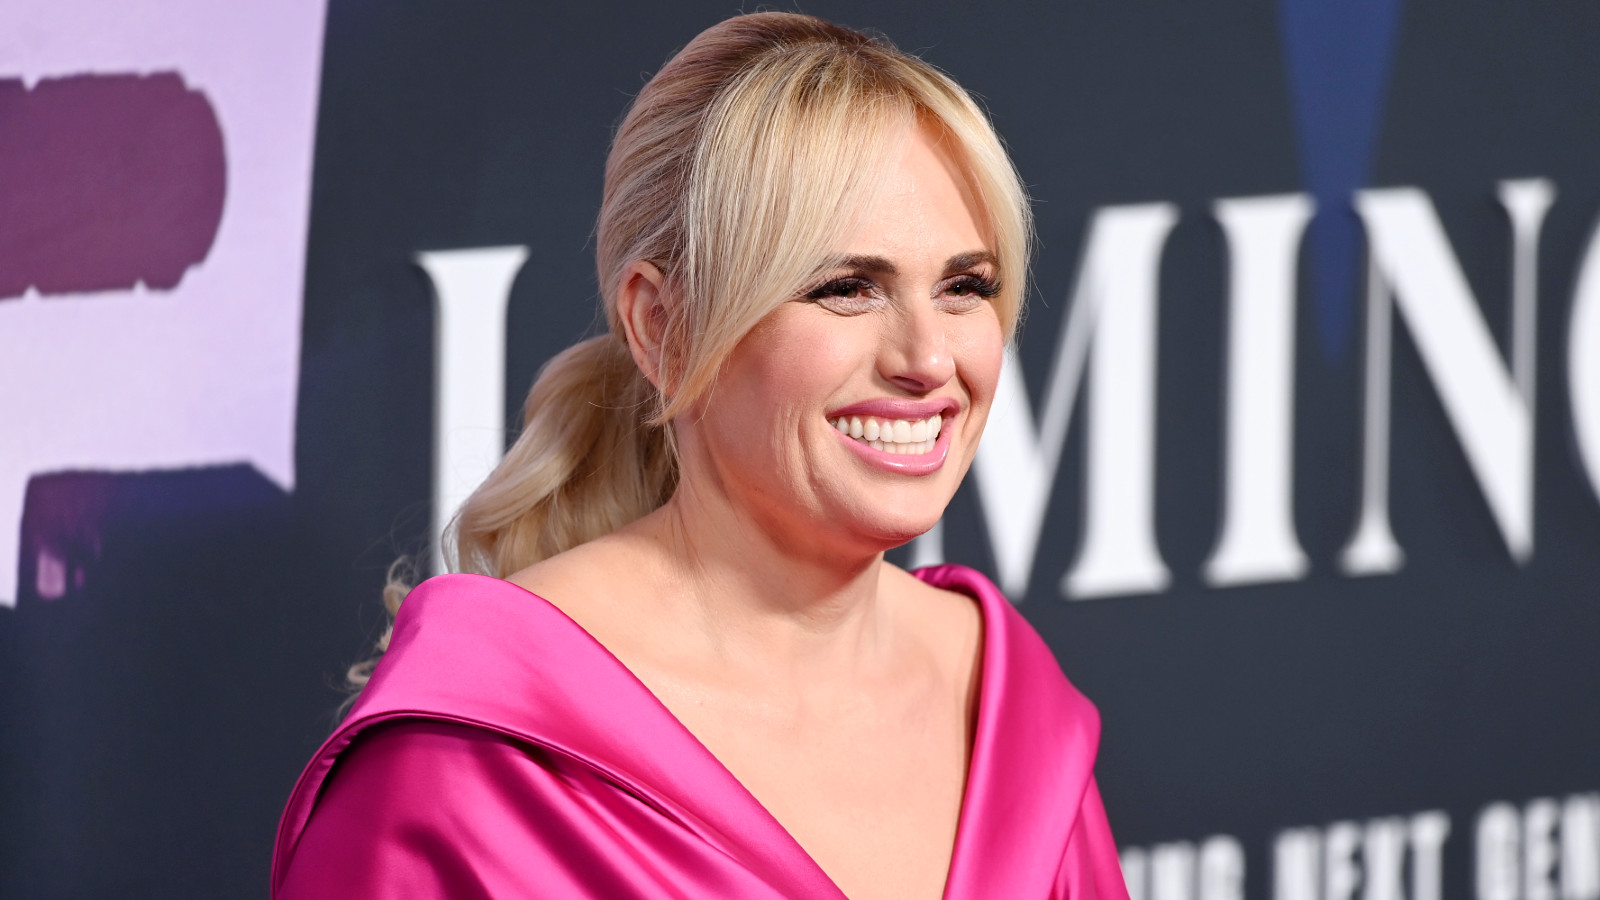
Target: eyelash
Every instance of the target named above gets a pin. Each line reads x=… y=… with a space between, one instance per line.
x=839 y=287
x=983 y=286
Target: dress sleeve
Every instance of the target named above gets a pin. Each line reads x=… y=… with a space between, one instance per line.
x=434 y=809
x=1090 y=869
x=409 y=810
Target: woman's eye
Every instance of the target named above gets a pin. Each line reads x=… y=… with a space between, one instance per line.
x=848 y=288
x=844 y=295
x=970 y=290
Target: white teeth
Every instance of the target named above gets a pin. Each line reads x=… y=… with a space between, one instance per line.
x=899 y=436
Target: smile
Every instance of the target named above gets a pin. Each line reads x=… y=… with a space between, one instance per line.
x=895 y=436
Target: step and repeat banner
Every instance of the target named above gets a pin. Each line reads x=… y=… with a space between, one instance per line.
x=1296 y=466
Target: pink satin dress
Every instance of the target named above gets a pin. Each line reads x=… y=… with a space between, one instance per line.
x=500 y=751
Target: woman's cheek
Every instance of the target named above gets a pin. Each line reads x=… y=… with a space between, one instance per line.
x=826 y=357
x=802 y=350
x=979 y=354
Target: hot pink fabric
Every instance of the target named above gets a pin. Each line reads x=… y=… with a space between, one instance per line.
x=500 y=751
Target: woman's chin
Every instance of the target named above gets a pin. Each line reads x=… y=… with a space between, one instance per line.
x=887 y=535
x=869 y=519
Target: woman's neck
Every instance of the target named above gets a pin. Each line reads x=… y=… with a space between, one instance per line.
x=754 y=593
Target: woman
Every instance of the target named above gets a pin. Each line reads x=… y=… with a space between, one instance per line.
x=693 y=674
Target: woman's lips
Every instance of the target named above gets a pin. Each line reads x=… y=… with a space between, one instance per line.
x=906 y=446
x=893 y=408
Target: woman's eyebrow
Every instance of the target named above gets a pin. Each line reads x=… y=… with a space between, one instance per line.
x=869 y=265
x=969 y=260
x=882 y=267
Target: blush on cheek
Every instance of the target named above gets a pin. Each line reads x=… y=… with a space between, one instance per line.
x=803 y=355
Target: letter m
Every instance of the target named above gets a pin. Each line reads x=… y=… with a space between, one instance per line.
x=1113 y=308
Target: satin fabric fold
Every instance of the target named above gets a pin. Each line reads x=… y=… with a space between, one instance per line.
x=500 y=751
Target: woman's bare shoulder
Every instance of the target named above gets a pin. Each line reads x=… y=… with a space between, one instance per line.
x=585 y=581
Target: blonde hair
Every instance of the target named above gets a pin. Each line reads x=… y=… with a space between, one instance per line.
x=737 y=172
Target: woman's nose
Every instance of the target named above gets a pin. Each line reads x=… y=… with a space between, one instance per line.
x=916 y=356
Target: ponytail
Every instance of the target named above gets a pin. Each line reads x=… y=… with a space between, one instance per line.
x=590 y=459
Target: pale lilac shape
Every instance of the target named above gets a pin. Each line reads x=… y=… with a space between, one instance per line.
x=52 y=575
x=500 y=751
x=205 y=374
x=108 y=181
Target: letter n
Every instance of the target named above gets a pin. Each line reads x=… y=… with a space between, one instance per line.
x=1489 y=405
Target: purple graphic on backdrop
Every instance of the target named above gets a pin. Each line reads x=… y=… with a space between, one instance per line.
x=155 y=179
x=106 y=181
x=61 y=535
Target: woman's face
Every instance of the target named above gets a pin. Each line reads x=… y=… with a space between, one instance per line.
x=852 y=411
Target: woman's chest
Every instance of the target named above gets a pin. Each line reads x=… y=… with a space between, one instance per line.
x=871 y=788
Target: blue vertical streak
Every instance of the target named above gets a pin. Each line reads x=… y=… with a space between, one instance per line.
x=1338 y=54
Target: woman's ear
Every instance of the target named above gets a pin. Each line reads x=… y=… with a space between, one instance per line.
x=641 y=306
